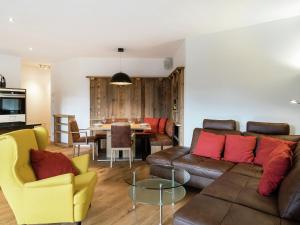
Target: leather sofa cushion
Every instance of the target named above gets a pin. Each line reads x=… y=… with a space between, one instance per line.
x=247 y=169
x=199 y=182
x=219 y=124
x=268 y=128
x=165 y=157
x=160 y=140
x=207 y=210
x=201 y=166
x=242 y=190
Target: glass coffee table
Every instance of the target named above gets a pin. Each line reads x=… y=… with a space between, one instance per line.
x=147 y=188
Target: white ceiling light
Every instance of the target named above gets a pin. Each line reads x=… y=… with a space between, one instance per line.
x=11 y=20
x=30 y=49
x=45 y=66
x=294 y=101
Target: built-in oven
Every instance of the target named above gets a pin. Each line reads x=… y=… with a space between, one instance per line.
x=12 y=105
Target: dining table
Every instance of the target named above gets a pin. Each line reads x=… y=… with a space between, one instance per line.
x=141 y=146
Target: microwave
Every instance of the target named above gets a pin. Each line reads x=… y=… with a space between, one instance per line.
x=12 y=105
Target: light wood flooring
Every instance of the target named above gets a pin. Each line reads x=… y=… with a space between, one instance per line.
x=111 y=204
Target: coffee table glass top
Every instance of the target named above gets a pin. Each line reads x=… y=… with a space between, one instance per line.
x=145 y=187
x=170 y=177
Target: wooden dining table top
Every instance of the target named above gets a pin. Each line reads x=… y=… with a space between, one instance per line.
x=134 y=126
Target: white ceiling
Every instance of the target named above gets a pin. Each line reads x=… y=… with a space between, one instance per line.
x=61 y=29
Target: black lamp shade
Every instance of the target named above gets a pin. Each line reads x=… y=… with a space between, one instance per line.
x=120 y=79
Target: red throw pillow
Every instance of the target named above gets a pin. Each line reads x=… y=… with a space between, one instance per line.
x=49 y=164
x=275 y=168
x=162 y=125
x=210 y=145
x=266 y=145
x=239 y=148
x=153 y=123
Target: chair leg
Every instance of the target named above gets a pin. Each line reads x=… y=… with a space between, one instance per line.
x=111 y=157
x=129 y=158
x=93 y=150
x=74 y=150
x=78 y=153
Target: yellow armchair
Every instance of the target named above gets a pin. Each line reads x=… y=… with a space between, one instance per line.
x=61 y=199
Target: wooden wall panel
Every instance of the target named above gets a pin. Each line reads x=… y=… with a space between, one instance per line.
x=146 y=97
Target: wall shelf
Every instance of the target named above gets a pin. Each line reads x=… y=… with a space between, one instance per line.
x=61 y=129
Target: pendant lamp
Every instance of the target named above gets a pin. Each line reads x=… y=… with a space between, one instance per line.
x=120 y=78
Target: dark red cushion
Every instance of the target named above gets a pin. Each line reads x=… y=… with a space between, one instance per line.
x=162 y=125
x=239 y=148
x=275 y=168
x=153 y=123
x=266 y=145
x=49 y=164
x=210 y=145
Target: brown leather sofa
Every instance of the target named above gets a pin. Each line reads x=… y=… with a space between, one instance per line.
x=229 y=191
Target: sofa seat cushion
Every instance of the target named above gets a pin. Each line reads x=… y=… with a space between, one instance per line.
x=242 y=190
x=201 y=166
x=165 y=157
x=207 y=210
x=247 y=169
x=84 y=186
x=161 y=140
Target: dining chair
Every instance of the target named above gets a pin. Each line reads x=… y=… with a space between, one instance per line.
x=122 y=139
x=80 y=138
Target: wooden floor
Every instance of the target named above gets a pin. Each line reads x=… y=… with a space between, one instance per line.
x=111 y=203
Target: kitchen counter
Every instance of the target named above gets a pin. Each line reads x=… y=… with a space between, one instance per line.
x=8 y=127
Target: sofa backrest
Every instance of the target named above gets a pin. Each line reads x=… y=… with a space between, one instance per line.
x=219 y=124
x=289 y=191
x=268 y=128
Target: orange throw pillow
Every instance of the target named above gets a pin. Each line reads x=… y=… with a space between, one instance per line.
x=210 y=145
x=49 y=164
x=275 y=168
x=239 y=148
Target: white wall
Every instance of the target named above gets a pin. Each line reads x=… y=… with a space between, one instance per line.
x=37 y=83
x=10 y=68
x=179 y=56
x=70 y=87
x=245 y=74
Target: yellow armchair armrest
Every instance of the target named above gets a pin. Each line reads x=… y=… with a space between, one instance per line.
x=52 y=181
x=81 y=163
x=49 y=202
